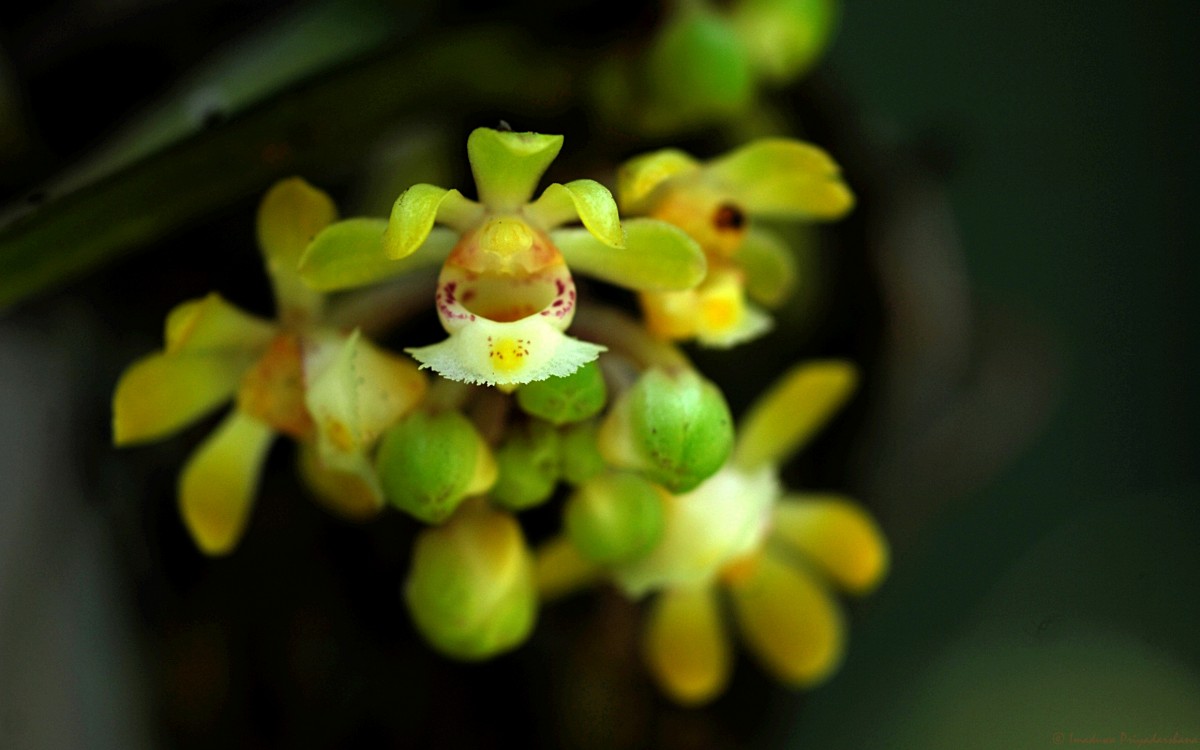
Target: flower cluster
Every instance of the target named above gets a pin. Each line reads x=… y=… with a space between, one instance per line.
x=659 y=494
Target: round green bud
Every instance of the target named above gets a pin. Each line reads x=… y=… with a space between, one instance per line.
x=579 y=457
x=674 y=427
x=577 y=396
x=527 y=463
x=429 y=463
x=784 y=38
x=699 y=66
x=471 y=589
x=615 y=518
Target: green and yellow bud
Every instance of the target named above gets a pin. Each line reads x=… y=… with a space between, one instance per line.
x=429 y=463
x=471 y=589
x=674 y=427
x=699 y=67
x=572 y=398
x=528 y=467
x=615 y=518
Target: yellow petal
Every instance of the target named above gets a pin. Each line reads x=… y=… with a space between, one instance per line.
x=686 y=647
x=639 y=177
x=353 y=494
x=560 y=570
x=217 y=487
x=162 y=393
x=788 y=621
x=793 y=410
x=838 y=535
x=289 y=217
x=784 y=178
x=212 y=323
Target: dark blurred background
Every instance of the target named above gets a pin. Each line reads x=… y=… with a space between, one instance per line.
x=1017 y=282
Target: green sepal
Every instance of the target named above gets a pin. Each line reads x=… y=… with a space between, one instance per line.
x=674 y=427
x=614 y=518
x=429 y=463
x=562 y=400
x=784 y=178
x=415 y=212
x=471 y=589
x=585 y=200
x=769 y=265
x=351 y=253
x=641 y=176
x=507 y=166
x=657 y=257
x=579 y=457
x=527 y=467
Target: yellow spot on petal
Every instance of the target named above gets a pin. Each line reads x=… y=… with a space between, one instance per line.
x=508 y=355
x=339 y=434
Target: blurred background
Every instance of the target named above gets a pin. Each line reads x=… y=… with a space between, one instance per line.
x=1017 y=283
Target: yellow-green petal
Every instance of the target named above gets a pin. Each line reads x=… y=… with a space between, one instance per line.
x=769 y=265
x=415 y=211
x=793 y=410
x=784 y=178
x=788 y=621
x=560 y=570
x=290 y=215
x=507 y=166
x=162 y=393
x=657 y=256
x=356 y=394
x=639 y=177
x=837 y=535
x=351 y=254
x=217 y=487
x=212 y=323
x=686 y=646
x=586 y=200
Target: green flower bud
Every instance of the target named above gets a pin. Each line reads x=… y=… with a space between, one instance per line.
x=674 y=427
x=429 y=463
x=615 y=518
x=568 y=399
x=698 y=65
x=579 y=457
x=471 y=589
x=528 y=467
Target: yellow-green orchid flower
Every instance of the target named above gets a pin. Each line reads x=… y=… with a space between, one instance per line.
x=715 y=203
x=505 y=293
x=332 y=391
x=775 y=554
